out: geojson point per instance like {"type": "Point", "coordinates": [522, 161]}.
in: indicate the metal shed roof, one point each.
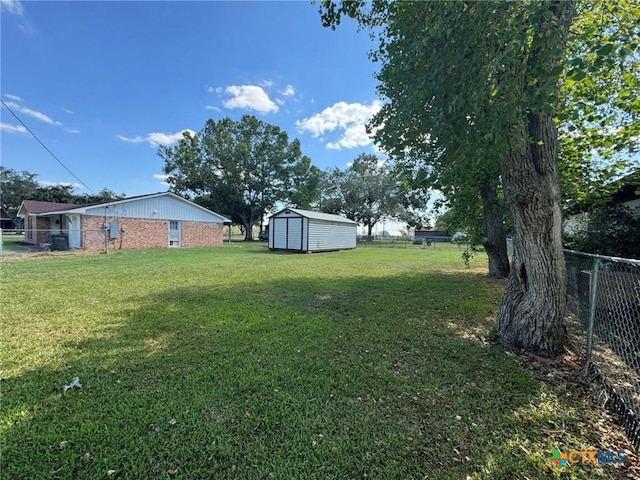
{"type": "Point", "coordinates": [327, 217]}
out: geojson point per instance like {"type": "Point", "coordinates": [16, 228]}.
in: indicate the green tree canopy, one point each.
{"type": "Point", "coordinates": [240, 169]}
{"type": "Point", "coordinates": [598, 118]}
{"type": "Point", "coordinates": [365, 191]}
{"type": "Point", "coordinates": [15, 187]}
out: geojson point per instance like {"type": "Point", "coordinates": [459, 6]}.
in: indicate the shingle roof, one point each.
{"type": "Point", "coordinates": [36, 206]}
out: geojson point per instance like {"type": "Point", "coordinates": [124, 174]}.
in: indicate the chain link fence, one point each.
{"type": "Point", "coordinates": [387, 241]}
{"type": "Point", "coordinates": [604, 302]}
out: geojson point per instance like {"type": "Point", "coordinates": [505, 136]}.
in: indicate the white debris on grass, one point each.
{"type": "Point", "coordinates": [74, 383]}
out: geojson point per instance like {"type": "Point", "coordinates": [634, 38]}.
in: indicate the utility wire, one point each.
{"type": "Point", "coordinates": [46, 148]}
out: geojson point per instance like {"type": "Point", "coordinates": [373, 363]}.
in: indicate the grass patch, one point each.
{"type": "Point", "coordinates": [235, 362]}
{"type": "Point", "coordinates": [12, 243]}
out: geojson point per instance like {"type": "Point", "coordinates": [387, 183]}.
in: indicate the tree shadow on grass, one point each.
{"type": "Point", "coordinates": [296, 378]}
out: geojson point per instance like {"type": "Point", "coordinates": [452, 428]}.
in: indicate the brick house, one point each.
{"type": "Point", "coordinates": [147, 221]}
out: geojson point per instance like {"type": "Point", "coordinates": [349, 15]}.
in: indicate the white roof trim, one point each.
{"type": "Point", "coordinates": [83, 208]}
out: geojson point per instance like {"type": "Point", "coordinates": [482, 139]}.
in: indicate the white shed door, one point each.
{"type": "Point", "coordinates": [279, 232]}
{"type": "Point", "coordinates": [294, 234]}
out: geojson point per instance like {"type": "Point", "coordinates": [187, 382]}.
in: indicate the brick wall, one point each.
{"type": "Point", "coordinates": [200, 234]}
{"type": "Point", "coordinates": [37, 230]}
{"type": "Point", "coordinates": [144, 233]}
{"type": "Point", "coordinates": [138, 233]}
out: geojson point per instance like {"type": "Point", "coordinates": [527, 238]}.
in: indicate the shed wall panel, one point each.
{"type": "Point", "coordinates": [331, 236]}
{"type": "Point", "coordinates": [305, 234]}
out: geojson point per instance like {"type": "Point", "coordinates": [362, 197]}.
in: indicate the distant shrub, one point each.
{"type": "Point", "coordinates": [611, 230]}
{"type": "Point", "coordinates": [417, 241]}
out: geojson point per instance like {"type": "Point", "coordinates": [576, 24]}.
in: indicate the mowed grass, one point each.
{"type": "Point", "coordinates": [234, 362]}
{"type": "Point", "coordinates": [12, 243]}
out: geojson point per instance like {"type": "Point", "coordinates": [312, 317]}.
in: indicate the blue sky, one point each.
{"type": "Point", "coordinates": [103, 84]}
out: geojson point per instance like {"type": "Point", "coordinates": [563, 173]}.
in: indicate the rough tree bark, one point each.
{"type": "Point", "coordinates": [531, 313]}
{"type": "Point", "coordinates": [532, 309]}
{"type": "Point", "coordinates": [495, 243]}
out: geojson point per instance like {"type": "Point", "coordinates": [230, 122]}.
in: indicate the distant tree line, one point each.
{"type": "Point", "coordinates": [246, 169]}
{"type": "Point", "coordinates": [368, 191]}
{"type": "Point", "coordinates": [17, 186]}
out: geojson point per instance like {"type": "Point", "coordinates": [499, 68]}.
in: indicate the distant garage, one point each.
{"type": "Point", "coordinates": [297, 230]}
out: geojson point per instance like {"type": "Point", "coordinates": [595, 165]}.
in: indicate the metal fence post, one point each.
{"type": "Point", "coordinates": [593, 286]}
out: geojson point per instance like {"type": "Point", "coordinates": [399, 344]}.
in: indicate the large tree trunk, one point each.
{"type": "Point", "coordinates": [248, 229]}
{"type": "Point", "coordinates": [531, 313]}
{"type": "Point", "coordinates": [532, 309]}
{"type": "Point", "coordinates": [495, 243]}
{"type": "Point", "coordinates": [248, 233]}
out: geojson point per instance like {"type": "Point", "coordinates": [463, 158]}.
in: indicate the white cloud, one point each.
{"type": "Point", "coordinates": [162, 177]}
{"type": "Point", "coordinates": [66, 110]}
{"type": "Point", "coordinates": [166, 139]}
{"type": "Point", "coordinates": [288, 92]}
{"type": "Point", "coordinates": [136, 139]}
{"type": "Point", "coordinates": [15, 98]}
{"type": "Point", "coordinates": [33, 113]}
{"type": "Point", "coordinates": [9, 128]}
{"type": "Point", "coordinates": [251, 97]}
{"type": "Point", "coordinates": [157, 138]}
{"type": "Point", "coordinates": [354, 136]}
{"type": "Point", "coordinates": [39, 116]}
{"type": "Point", "coordinates": [266, 83]}
{"type": "Point", "coordinates": [349, 118]}
{"type": "Point", "coordinates": [12, 6]}
{"type": "Point", "coordinates": [211, 107]}
{"type": "Point", "coordinates": [73, 130]}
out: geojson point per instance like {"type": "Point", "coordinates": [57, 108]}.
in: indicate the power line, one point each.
{"type": "Point", "coordinates": [47, 148]}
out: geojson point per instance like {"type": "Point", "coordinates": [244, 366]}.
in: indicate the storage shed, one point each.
{"type": "Point", "coordinates": [297, 230]}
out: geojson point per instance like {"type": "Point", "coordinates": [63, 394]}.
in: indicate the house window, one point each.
{"type": "Point", "coordinates": [174, 233]}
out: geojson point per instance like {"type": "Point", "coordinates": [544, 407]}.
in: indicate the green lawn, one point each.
{"type": "Point", "coordinates": [234, 362]}
{"type": "Point", "coordinates": [12, 243]}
